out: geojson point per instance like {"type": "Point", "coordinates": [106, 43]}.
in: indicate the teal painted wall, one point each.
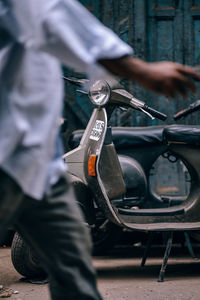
{"type": "Point", "coordinates": [157, 30]}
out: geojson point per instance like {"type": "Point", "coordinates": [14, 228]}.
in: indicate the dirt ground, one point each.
{"type": "Point", "coordinates": [120, 277]}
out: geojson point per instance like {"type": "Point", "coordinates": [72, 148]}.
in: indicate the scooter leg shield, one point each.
{"type": "Point", "coordinates": [84, 198]}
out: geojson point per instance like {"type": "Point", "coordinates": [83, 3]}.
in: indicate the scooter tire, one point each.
{"type": "Point", "coordinates": [25, 260]}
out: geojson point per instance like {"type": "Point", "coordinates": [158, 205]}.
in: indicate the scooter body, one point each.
{"type": "Point", "coordinates": [138, 148]}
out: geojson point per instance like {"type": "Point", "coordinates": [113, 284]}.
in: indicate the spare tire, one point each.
{"type": "Point", "coordinates": [25, 260]}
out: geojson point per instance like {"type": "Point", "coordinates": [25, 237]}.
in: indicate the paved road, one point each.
{"type": "Point", "coordinates": [120, 277]}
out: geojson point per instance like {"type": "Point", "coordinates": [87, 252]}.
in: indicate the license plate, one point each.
{"type": "Point", "coordinates": [97, 130]}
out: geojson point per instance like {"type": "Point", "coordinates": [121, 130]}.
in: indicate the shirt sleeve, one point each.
{"type": "Point", "coordinates": [68, 31]}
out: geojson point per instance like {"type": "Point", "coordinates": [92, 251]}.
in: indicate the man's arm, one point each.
{"type": "Point", "coordinates": [92, 44]}
{"type": "Point", "coordinates": [162, 77]}
{"type": "Point", "coordinates": [66, 30]}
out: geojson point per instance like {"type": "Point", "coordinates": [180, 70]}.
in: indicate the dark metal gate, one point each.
{"type": "Point", "coordinates": [157, 30]}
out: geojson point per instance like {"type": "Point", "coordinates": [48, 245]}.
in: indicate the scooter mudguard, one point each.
{"type": "Point", "coordinates": [105, 159]}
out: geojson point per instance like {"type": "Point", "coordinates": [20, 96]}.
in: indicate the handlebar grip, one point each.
{"type": "Point", "coordinates": [192, 108]}
{"type": "Point", "coordinates": [182, 113]}
{"type": "Point", "coordinates": [155, 113]}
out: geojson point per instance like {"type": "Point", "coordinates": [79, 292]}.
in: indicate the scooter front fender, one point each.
{"type": "Point", "coordinates": [93, 139]}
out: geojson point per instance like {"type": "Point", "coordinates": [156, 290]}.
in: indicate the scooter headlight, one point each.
{"type": "Point", "coordinates": [99, 93]}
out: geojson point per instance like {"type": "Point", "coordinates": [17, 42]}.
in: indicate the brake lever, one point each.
{"type": "Point", "coordinates": [82, 92]}
{"type": "Point", "coordinates": [147, 113]}
{"type": "Point", "coordinates": [123, 108]}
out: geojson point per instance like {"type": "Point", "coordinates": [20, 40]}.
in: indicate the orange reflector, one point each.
{"type": "Point", "coordinates": [91, 165]}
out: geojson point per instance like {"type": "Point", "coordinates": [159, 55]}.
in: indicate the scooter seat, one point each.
{"type": "Point", "coordinates": [124, 137]}
{"type": "Point", "coordinates": [183, 134]}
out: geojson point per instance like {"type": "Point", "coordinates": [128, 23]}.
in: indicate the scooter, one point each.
{"type": "Point", "coordinates": [137, 149]}
{"type": "Point", "coordinates": [96, 163]}
{"type": "Point", "coordinates": [130, 143]}
{"type": "Point", "coordinates": [105, 233]}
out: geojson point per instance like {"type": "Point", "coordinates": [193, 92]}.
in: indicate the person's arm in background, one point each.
{"type": "Point", "coordinates": [162, 77]}
{"type": "Point", "coordinates": [66, 30]}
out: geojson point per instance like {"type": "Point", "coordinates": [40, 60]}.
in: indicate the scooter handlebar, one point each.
{"type": "Point", "coordinates": [155, 113]}
{"type": "Point", "coordinates": [185, 112]}
{"type": "Point", "coordinates": [75, 81]}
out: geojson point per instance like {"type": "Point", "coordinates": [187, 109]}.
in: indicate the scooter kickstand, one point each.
{"type": "Point", "coordinates": [166, 256]}
{"type": "Point", "coordinates": [147, 248]}
{"type": "Point", "coordinates": [189, 245]}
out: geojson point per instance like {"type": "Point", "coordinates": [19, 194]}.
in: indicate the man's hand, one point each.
{"type": "Point", "coordinates": [167, 78]}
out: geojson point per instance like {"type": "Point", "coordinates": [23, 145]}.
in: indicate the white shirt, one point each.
{"type": "Point", "coordinates": [35, 37]}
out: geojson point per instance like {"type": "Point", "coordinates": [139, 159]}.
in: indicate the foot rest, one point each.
{"type": "Point", "coordinates": [151, 212]}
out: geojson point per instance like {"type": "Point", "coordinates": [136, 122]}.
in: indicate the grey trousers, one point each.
{"type": "Point", "coordinates": [11, 200]}
{"type": "Point", "coordinates": [54, 227]}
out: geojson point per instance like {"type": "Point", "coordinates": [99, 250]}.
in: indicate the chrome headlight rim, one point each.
{"type": "Point", "coordinates": [99, 92]}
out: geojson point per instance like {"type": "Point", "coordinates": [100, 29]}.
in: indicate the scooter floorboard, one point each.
{"type": "Point", "coordinates": [164, 226]}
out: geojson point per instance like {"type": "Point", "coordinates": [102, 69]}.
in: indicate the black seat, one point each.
{"type": "Point", "coordinates": [124, 137]}
{"type": "Point", "coordinates": [187, 134]}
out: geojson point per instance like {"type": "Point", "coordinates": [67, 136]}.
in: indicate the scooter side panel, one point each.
{"type": "Point", "coordinates": [111, 173]}
{"type": "Point", "coordinates": [181, 217]}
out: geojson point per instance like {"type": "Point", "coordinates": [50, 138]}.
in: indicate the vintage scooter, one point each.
{"type": "Point", "coordinates": [95, 163]}
{"type": "Point", "coordinates": [138, 149]}
{"type": "Point", "coordinates": [105, 233]}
